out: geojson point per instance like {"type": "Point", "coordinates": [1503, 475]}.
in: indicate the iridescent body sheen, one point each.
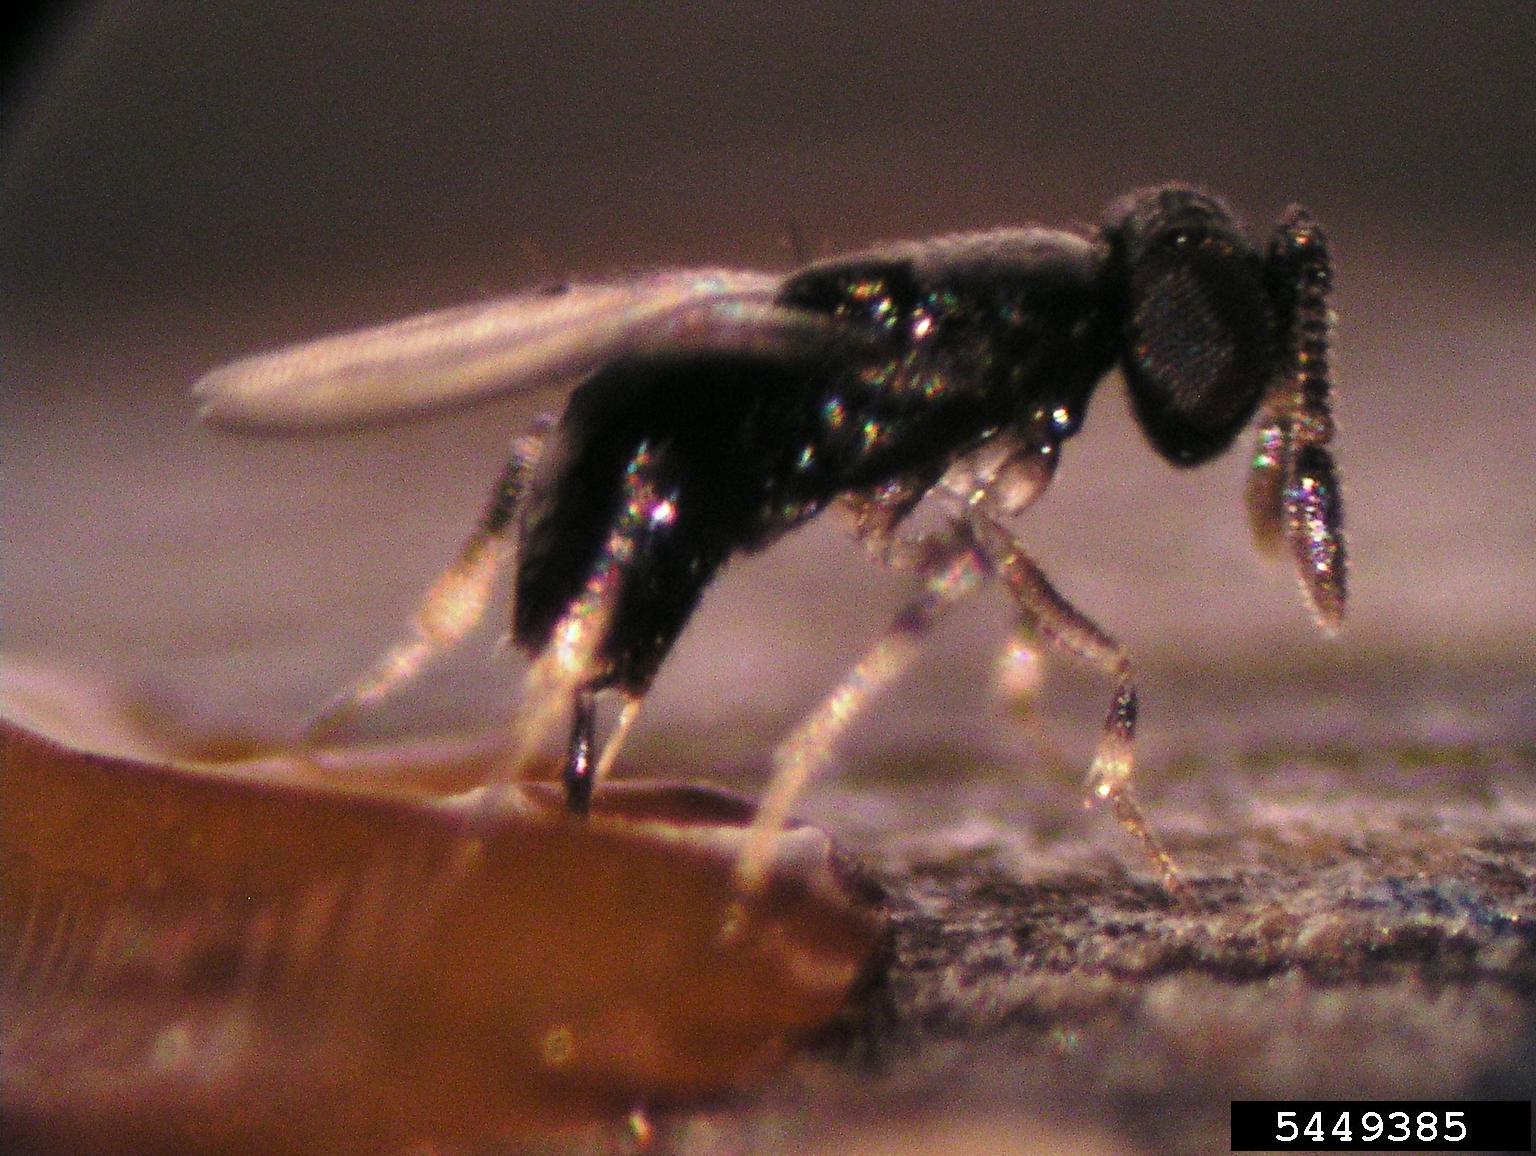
{"type": "Point", "coordinates": [714, 411]}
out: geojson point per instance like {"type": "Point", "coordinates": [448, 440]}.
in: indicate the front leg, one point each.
{"type": "Point", "coordinates": [1067, 630]}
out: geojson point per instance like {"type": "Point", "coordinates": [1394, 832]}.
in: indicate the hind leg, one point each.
{"type": "Point", "coordinates": [569, 669]}
{"type": "Point", "coordinates": [451, 607]}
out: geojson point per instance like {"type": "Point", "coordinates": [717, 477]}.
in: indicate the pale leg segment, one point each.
{"type": "Point", "coordinates": [452, 606]}
{"type": "Point", "coordinates": [952, 568]}
{"type": "Point", "coordinates": [1065, 629]}
{"type": "Point", "coordinates": [627, 715]}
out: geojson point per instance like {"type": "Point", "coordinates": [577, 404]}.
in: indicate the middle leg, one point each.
{"type": "Point", "coordinates": [952, 566]}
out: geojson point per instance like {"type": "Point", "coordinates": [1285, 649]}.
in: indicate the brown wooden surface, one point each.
{"type": "Point", "coordinates": [269, 956]}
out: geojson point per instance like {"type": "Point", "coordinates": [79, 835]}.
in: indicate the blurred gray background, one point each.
{"type": "Point", "coordinates": [184, 183]}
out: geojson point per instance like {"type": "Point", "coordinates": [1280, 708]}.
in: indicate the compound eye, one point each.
{"type": "Point", "coordinates": [1199, 340]}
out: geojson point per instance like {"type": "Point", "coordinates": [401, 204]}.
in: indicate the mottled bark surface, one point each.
{"type": "Point", "coordinates": [1358, 925]}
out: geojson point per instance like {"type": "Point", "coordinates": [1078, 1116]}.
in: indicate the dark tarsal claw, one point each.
{"type": "Point", "coordinates": [579, 766]}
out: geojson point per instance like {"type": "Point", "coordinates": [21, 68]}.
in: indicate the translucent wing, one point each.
{"type": "Point", "coordinates": [536, 340]}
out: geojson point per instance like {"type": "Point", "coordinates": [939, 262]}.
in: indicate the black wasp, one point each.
{"type": "Point", "coordinates": [713, 411]}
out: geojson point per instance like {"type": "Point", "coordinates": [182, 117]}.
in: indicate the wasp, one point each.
{"type": "Point", "coordinates": [709, 412]}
